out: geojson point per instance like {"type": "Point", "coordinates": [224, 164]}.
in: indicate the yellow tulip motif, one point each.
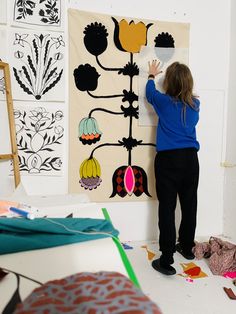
{"type": "Point", "coordinates": [90, 172]}
{"type": "Point", "coordinates": [130, 36]}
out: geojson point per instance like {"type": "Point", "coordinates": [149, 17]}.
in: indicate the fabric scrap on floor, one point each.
{"type": "Point", "coordinates": [221, 254]}
{"type": "Point", "coordinates": [191, 270]}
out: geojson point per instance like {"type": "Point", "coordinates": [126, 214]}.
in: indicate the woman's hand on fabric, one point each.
{"type": "Point", "coordinates": [154, 68]}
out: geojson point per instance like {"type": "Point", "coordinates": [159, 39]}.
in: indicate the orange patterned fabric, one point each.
{"type": "Point", "coordinates": [88, 293]}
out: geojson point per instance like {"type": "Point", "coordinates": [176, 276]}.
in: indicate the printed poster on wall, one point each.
{"type": "Point", "coordinates": [111, 157]}
{"type": "Point", "coordinates": [3, 56]}
{"type": "Point", "coordinates": [3, 11]}
{"type": "Point", "coordinates": [40, 138]}
{"type": "Point", "coordinates": [37, 62]}
{"type": "Point", "coordinates": [47, 14]}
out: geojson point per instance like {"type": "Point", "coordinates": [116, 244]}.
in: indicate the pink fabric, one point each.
{"type": "Point", "coordinates": [221, 254]}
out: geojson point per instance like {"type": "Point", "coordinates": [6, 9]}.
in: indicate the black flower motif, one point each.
{"type": "Point", "coordinates": [86, 77]}
{"type": "Point", "coordinates": [130, 111]}
{"type": "Point", "coordinates": [130, 69]}
{"type": "Point", "coordinates": [129, 180]}
{"type": "Point", "coordinates": [129, 96]}
{"type": "Point", "coordinates": [95, 38]}
{"type": "Point", "coordinates": [164, 40]}
{"type": "Point", "coordinates": [129, 143]}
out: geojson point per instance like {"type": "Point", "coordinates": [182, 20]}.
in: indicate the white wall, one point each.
{"type": "Point", "coordinates": [230, 172]}
{"type": "Point", "coordinates": [209, 61]}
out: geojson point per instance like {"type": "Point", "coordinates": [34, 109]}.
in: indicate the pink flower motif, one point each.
{"type": "Point", "coordinates": [129, 180]}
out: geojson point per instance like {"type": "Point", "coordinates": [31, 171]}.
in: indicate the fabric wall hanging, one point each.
{"type": "Point", "coordinates": [110, 155]}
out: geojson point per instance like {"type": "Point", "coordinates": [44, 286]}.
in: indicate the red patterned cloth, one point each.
{"type": "Point", "coordinates": [88, 293]}
{"type": "Point", "coordinates": [221, 254]}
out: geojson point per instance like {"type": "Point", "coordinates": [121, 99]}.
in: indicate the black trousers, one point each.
{"type": "Point", "coordinates": [177, 174]}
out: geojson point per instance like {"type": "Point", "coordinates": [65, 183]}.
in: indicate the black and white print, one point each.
{"type": "Point", "coordinates": [47, 13]}
{"type": "Point", "coordinates": [3, 11]}
{"type": "Point", "coordinates": [37, 60]}
{"type": "Point", "coordinates": [3, 58]}
{"type": "Point", "coordinates": [40, 139]}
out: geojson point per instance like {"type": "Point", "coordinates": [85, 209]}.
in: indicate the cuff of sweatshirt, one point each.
{"type": "Point", "coordinates": [151, 77]}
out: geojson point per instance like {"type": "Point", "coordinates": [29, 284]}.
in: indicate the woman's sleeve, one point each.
{"type": "Point", "coordinates": [154, 97]}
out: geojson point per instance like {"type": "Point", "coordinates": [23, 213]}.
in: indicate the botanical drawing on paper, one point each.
{"type": "Point", "coordinates": [40, 12]}
{"type": "Point", "coordinates": [40, 135]}
{"type": "Point", "coordinates": [2, 83]}
{"type": "Point", "coordinates": [38, 63]}
{"type": "Point", "coordinates": [3, 59]}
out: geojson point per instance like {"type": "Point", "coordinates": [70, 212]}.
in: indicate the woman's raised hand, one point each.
{"type": "Point", "coordinates": [154, 68]}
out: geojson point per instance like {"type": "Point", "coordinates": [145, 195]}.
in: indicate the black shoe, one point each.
{"type": "Point", "coordinates": [164, 269]}
{"type": "Point", "coordinates": [186, 254]}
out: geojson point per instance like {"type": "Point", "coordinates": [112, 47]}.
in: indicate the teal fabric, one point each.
{"type": "Point", "coordinates": [19, 234]}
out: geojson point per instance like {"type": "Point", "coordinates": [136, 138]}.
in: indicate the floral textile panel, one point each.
{"type": "Point", "coordinates": [109, 47]}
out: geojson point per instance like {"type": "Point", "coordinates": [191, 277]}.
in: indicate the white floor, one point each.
{"type": "Point", "coordinates": [174, 294]}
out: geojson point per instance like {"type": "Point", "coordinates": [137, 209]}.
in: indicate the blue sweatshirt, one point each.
{"type": "Point", "coordinates": [173, 130]}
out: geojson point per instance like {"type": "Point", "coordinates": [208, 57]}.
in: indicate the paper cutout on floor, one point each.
{"type": "Point", "coordinates": [40, 139]}
{"type": "Point", "coordinates": [37, 60]}
{"type": "Point", "coordinates": [126, 246]}
{"type": "Point", "coordinates": [230, 293]}
{"type": "Point", "coordinates": [150, 254]}
{"type": "Point", "coordinates": [191, 270]}
{"type": "Point", "coordinates": [230, 274]}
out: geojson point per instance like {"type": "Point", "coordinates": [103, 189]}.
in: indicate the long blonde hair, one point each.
{"type": "Point", "coordinates": [178, 83]}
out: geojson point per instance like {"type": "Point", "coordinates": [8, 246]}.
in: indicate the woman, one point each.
{"type": "Point", "coordinates": [176, 162]}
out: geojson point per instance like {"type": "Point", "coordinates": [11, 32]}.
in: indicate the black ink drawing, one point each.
{"type": "Point", "coordinates": [39, 63]}
{"type": "Point", "coordinates": [39, 138]}
{"type": "Point", "coordinates": [2, 84]}
{"type": "Point", "coordinates": [40, 12]}
{"type": "Point", "coordinates": [3, 12]}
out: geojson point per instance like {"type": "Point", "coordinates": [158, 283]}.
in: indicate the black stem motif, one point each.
{"type": "Point", "coordinates": [107, 69]}
{"type": "Point", "coordinates": [148, 144]}
{"type": "Point", "coordinates": [104, 110]}
{"type": "Point", "coordinates": [105, 144]}
{"type": "Point", "coordinates": [107, 96]}
{"type": "Point", "coordinates": [131, 118]}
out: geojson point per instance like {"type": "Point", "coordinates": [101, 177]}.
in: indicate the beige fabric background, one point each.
{"type": "Point", "coordinates": [113, 127]}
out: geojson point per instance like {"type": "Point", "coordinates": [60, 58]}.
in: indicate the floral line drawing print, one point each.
{"type": "Point", "coordinates": [38, 134]}
{"type": "Point", "coordinates": [39, 59]}
{"type": "Point", "coordinates": [127, 179]}
{"type": "Point", "coordinates": [48, 11]}
{"type": "Point", "coordinates": [2, 85]}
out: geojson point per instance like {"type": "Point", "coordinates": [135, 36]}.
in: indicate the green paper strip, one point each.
{"type": "Point", "coordinates": [123, 255]}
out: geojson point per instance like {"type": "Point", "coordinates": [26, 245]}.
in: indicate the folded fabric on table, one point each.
{"type": "Point", "coordinates": [19, 234]}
